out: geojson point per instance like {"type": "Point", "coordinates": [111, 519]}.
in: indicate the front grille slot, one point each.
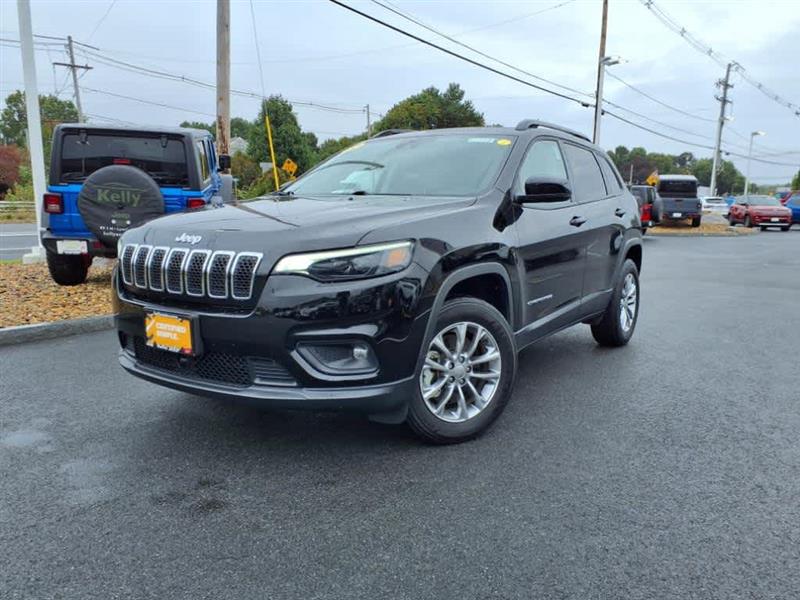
{"type": "Point", "coordinates": [199, 273]}
{"type": "Point", "coordinates": [155, 268]}
{"type": "Point", "coordinates": [218, 269]}
{"type": "Point", "coordinates": [242, 275]}
{"type": "Point", "coordinates": [195, 272]}
{"type": "Point", "coordinates": [140, 266]}
{"type": "Point", "coordinates": [174, 270]}
{"type": "Point", "coordinates": [126, 263]}
{"type": "Point", "coordinates": [219, 367]}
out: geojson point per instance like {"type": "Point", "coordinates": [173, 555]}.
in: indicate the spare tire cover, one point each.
{"type": "Point", "coordinates": [117, 197]}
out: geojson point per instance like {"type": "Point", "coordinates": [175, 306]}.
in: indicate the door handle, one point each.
{"type": "Point", "coordinates": [577, 221]}
{"type": "Point", "coordinates": [619, 212]}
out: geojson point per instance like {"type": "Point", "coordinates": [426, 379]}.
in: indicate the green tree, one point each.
{"type": "Point", "coordinates": [241, 128]}
{"type": "Point", "coordinates": [287, 137]}
{"type": "Point", "coordinates": [796, 182]}
{"type": "Point", "coordinates": [334, 145]}
{"type": "Point", "coordinates": [245, 169]}
{"type": "Point", "coordinates": [210, 127]}
{"type": "Point", "coordinates": [432, 109]}
{"type": "Point", "coordinates": [13, 120]}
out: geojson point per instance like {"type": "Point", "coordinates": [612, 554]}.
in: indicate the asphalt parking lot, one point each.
{"type": "Point", "coordinates": [666, 469]}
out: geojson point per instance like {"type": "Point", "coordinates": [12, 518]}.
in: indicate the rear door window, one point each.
{"type": "Point", "coordinates": [587, 180]}
{"type": "Point", "coordinates": [161, 157]}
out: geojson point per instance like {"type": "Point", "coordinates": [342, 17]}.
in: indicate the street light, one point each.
{"type": "Point", "coordinates": [749, 154]}
{"type": "Point", "coordinates": [606, 61]}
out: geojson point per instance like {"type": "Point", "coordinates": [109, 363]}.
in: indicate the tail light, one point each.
{"type": "Point", "coordinates": [122, 161]}
{"type": "Point", "coordinates": [53, 204]}
{"type": "Point", "coordinates": [196, 203]}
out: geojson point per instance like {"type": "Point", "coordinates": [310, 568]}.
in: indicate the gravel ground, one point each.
{"type": "Point", "coordinates": [28, 295]}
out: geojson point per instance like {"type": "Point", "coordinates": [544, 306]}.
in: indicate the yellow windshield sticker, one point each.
{"type": "Point", "coordinates": [503, 142]}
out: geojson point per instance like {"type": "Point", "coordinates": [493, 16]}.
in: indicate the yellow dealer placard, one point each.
{"type": "Point", "coordinates": [169, 333]}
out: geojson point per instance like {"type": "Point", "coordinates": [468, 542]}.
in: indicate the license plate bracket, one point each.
{"type": "Point", "coordinates": [72, 247]}
{"type": "Point", "coordinates": [774, 219]}
{"type": "Point", "coordinates": [173, 333]}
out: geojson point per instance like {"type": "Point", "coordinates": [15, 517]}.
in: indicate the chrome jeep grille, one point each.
{"type": "Point", "coordinates": [199, 273]}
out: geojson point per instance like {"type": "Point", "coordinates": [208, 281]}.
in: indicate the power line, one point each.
{"type": "Point", "coordinates": [150, 102]}
{"type": "Point", "coordinates": [717, 57]}
{"type": "Point", "coordinates": [457, 55]}
{"type": "Point", "coordinates": [688, 143]}
{"type": "Point", "coordinates": [258, 50]}
{"type": "Point", "coordinates": [103, 18]}
{"type": "Point", "coordinates": [409, 17]}
{"type": "Point", "coordinates": [130, 67]}
{"type": "Point", "coordinates": [657, 101]}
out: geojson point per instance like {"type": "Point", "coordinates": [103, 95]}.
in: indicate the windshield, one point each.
{"type": "Point", "coordinates": [161, 157]}
{"type": "Point", "coordinates": [763, 201]}
{"type": "Point", "coordinates": [681, 188]}
{"type": "Point", "coordinates": [424, 165]}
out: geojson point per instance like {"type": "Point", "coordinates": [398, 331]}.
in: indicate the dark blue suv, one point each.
{"type": "Point", "coordinates": [104, 181]}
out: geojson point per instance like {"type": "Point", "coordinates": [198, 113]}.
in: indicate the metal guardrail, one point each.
{"type": "Point", "coordinates": [9, 206]}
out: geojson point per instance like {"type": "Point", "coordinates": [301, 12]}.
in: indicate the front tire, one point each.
{"type": "Point", "coordinates": [68, 269]}
{"type": "Point", "coordinates": [615, 327]}
{"type": "Point", "coordinates": [465, 374]}
{"type": "Point", "coordinates": [747, 222]}
{"type": "Point", "coordinates": [731, 220]}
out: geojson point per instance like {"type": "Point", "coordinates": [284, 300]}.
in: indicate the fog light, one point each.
{"type": "Point", "coordinates": [340, 357]}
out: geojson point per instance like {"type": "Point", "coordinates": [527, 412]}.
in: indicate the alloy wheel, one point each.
{"type": "Point", "coordinates": [461, 373]}
{"type": "Point", "coordinates": [627, 302]}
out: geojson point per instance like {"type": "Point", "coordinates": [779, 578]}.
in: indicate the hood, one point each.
{"type": "Point", "coordinates": [278, 226]}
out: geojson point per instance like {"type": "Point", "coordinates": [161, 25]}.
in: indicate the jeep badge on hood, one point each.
{"type": "Point", "coordinates": [188, 239]}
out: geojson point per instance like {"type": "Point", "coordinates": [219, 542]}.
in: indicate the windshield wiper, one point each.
{"type": "Point", "coordinates": [282, 193]}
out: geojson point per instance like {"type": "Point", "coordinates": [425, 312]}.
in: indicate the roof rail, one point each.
{"type": "Point", "coordinates": [387, 132]}
{"type": "Point", "coordinates": [533, 124]}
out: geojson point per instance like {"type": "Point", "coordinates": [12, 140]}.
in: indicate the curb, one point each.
{"type": "Point", "coordinates": [45, 331]}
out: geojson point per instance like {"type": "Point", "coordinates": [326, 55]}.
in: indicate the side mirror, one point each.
{"type": "Point", "coordinates": [545, 189]}
{"type": "Point", "coordinates": [224, 162]}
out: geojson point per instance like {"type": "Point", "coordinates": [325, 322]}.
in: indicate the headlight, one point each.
{"type": "Point", "coordinates": [349, 263]}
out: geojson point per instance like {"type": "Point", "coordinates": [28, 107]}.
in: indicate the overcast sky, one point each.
{"type": "Point", "coordinates": [316, 51]}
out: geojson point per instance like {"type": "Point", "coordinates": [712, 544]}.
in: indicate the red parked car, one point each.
{"type": "Point", "coordinates": [760, 211]}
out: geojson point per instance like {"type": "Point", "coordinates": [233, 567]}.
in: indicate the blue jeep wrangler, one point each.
{"type": "Point", "coordinates": [104, 181]}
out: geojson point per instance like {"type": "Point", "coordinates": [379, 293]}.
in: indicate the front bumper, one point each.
{"type": "Point", "coordinates": [372, 399]}
{"type": "Point", "coordinates": [256, 356]}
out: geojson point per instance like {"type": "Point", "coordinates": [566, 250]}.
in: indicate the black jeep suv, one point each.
{"type": "Point", "coordinates": [401, 277]}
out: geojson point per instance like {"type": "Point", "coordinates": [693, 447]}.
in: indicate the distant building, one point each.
{"type": "Point", "coordinates": [238, 144]}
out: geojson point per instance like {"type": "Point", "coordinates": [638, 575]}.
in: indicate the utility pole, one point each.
{"type": "Point", "coordinates": [601, 71]}
{"type": "Point", "coordinates": [34, 123]}
{"type": "Point", "coordinates": [74, 68]}
{"type": "Point", "coordinates": [369, 123]}
{"type": "Point", "coordinates": [723, 102]}
{"type": "Point", "coordinates": [223, 76]}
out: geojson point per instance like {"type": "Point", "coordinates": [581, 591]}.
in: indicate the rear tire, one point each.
{"type": "Point", "coordinates": [617, 324]}
{"type": "Point", "coordinates": [68, 269]}
{"type": "Point", "coordinates": [731, 220]}
{"type": "Point", "coordinates": [442, 409]}
{"type": "Point", "coordinates": [747, 222]}
{"type": "Point", "coordinates": [786, 228]}
{"type": "Point", "coordinates": [696, 221]}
